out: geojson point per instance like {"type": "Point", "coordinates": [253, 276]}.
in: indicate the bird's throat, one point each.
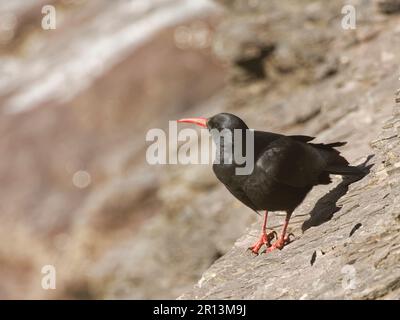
{"type": "Point", "coordinates": [234, 149]}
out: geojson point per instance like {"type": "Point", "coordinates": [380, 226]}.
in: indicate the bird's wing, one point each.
{"type": "Point", "coordinates": [262, 138]}
{"type": "Point", "coordinates": [302, 138]}
{"type": "Point", "coordinates": [291, 162]}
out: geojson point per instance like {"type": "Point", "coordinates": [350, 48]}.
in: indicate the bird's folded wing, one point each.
{"type": "Point", "coordinates": [302, 138]}
{"type": "Point", "coordinates": [291, 162]}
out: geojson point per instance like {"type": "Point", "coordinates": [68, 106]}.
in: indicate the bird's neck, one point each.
{"type": "Point", "coordinates": [232, 146]}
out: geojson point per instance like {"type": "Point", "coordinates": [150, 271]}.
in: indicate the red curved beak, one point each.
{"type": "Point", "coordinates": [202, 122]}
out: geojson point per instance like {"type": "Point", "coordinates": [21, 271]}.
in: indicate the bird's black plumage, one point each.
{"type": "Point", "coordinates": [285, 167]}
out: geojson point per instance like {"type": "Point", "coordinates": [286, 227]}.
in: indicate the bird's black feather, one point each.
{"type": "Point", "coordinates": [286, 168]}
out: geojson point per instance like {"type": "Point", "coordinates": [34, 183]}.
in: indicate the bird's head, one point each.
{"type": "Point", "coordinates": [219, 122]}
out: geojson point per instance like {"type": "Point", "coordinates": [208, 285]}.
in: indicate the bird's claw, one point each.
{"type": "Point", "coordinates": [280, 243]}
{"type": "Point", "coordinates": [265, 239]}
{"type": "Point", "coordinates": [287, 238]}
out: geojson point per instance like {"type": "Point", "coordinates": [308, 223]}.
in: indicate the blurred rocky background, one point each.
{"type": "Point", "coordinates": [76, 104]}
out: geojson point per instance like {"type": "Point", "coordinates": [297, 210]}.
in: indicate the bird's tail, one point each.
{"type": "Point", "coordinates": [337, 164]}
{"type": "Point", "coordinates": [344, 170]}
{"type": "Point", "coordinates": [328, 146]}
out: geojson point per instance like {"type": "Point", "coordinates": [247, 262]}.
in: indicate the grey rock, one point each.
{"type": "Point", "coordinates": [347, 242]}
{"type": "Point", "coordinates": [389, 6]}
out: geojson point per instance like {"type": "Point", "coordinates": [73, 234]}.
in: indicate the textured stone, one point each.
{"type": "Point", "coordinates": [347, 243]}
{"type": "Point", "coordinates": [140, 231]}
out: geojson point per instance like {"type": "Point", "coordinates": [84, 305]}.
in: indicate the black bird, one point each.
{"type": "Point", "coordinates": [285, 169]}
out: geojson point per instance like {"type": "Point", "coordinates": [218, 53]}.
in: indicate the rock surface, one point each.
{"type": "Point", "coordinates": [141, 231]}
{"type": "Point", "coordinates": [353, 255]}
{"type": "Point", "coordinates": [347, 241]}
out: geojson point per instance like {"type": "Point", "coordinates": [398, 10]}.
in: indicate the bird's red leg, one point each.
{"type": "Point", "coordinates": [283, 239]}
{"type": "Point", "coordinates": [265, 237]}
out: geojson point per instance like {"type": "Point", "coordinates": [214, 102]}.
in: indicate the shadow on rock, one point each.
{"type": "Point", "coordinates": [326, 207]}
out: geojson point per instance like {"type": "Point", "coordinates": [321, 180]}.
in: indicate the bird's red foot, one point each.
{"type": "Point", "coordinates": [279, 244]}
{"type": "Point", "coordinates": [264, 239]}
